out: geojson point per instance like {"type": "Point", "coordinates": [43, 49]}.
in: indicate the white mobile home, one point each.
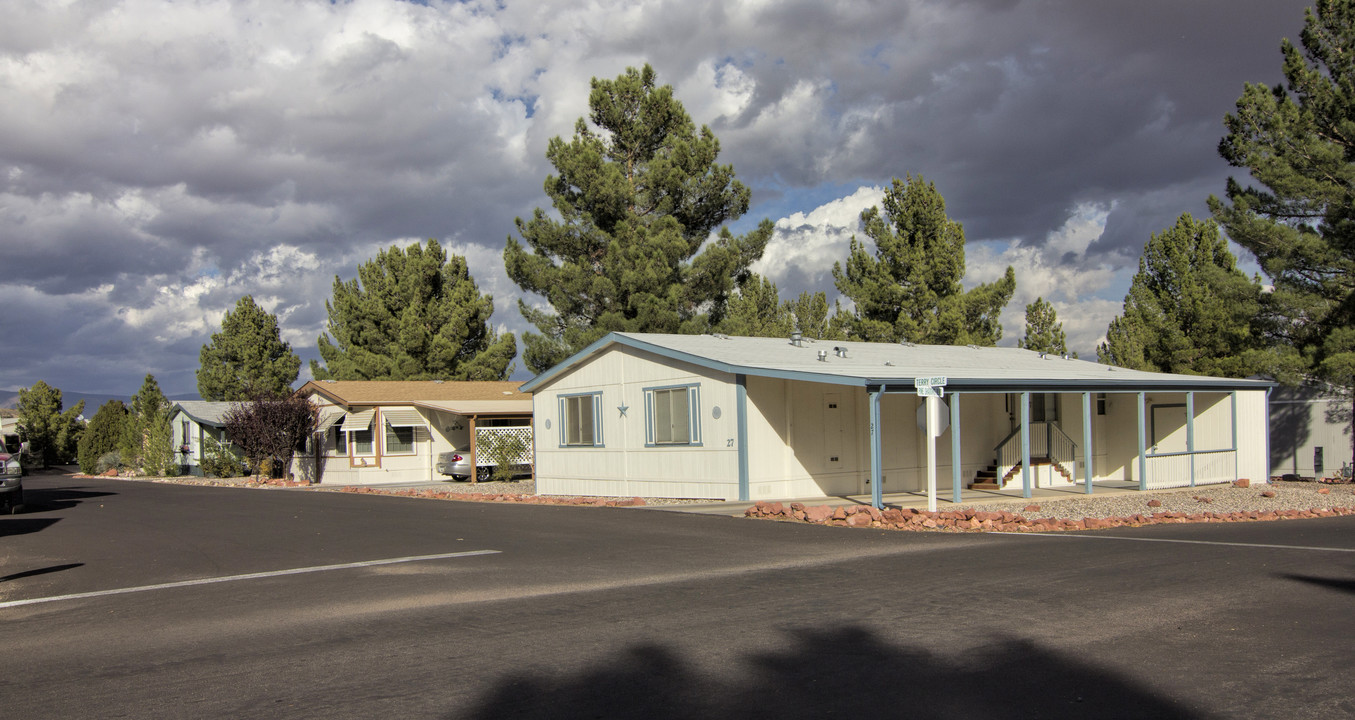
{"type": "Point", "coordinates": [738, 418]}
{"type": "Point", "coordinates": [387, 431]}
{"type": "Point", "coordinates": [1310, 431]}
{"type": "Point", "coordinates": [194, 423]}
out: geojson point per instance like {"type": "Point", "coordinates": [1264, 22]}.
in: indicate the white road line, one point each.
{"type": "Point", "coordinates": [1183, 542]}
{"type": "Point", "coordinates": [248, 576]}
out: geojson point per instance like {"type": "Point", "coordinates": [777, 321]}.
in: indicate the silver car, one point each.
{"type": "Point", "coordinates": [457, 464]}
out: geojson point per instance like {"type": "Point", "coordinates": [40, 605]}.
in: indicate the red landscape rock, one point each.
{"type": "Point", "coordinates": [1242, 483]}
{"type": "Point", "coordinates": [1154, 503]}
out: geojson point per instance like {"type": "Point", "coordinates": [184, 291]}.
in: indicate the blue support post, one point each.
{"type": "Point", "coordinates": [1190, 433]}
{"type": "Point", "coordinates": [1087, 442]}
{"type": "Point", "coordinates": [741, 406]}
{"type": "Point", "coordinates": [876, 477]}
{"type": "Point", "coordinates": [1143, 448]}
{"type": "Point", "coordinates": [955, 468]}
{"type": "Point", "coordinates": [1025, 445]}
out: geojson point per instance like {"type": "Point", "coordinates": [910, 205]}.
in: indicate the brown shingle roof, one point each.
{"type": "Point", "coordinates": [378, 392]}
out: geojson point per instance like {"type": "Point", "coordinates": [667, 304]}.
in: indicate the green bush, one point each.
{"type": "Point", "coordinates": [111, 460]}
{"type": "Point", "coordinates": [219, 461]}
{"type": "Point", "coordinates": [505, 451]}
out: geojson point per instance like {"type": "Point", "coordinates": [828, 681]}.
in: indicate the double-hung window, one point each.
{"type": "Point", "coordinates": [673, 415]}
{"type": "Point", "coordinates": [579, 420]}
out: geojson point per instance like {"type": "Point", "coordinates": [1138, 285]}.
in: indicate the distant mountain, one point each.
{"type": "Point", "coordinates": [10, 399]}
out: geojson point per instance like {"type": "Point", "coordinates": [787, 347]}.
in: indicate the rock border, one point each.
{"type": "Point", "coordinates": [967, 520]}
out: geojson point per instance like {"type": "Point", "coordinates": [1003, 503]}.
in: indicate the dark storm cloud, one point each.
{"type": "Point", "coordinates": [158, 161]}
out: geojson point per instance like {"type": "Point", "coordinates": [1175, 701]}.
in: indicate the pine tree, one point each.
{"type": "Point", "coordinates": [247, 357]}
{"type": "Point", "coordinates": [638, 195]}
{"type": "Point", "coordinates": [1044, 332]}
{"type": "Point", "coordinates": [756, 310]}
{"type": "Point", "coordinates": [52, 434]}
{"type": "Point", "coordinates": [102, 435]}
{"type": "Point", "coordinates": [1298, 143]}
{"type": "Point", "coordinates": [412, 314]}
{"type": "Point", "coordinates": [1189, 309]}
{"type": "Point", "coordinates": [909, 288]}
{"type": "Point", "coordinates": [810, 311]}
{"type": "Point", "coordinates": [148, 442]}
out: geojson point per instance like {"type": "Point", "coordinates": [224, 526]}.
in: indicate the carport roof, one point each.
{"type": "Point", "coordinates": [895, 366]}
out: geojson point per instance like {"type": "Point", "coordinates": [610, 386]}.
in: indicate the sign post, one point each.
{"type": "Point", "coordinates": [931, 389]}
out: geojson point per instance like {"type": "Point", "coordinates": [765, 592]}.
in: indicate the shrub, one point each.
{"type": "Point", "coordinates": [111, 460]}
{"type": "Point", "coordinates": [505, 451]}
{"type": "Point", "coordinates": [219, 461]}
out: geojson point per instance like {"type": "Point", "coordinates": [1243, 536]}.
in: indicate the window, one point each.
{"type": "Point", "coordinates": [672, 416]}
{"type": "Point", "coordinates": [579, 420]}
{"type": "Point", "coordinates": [361, 440]}
{"type": "Point", "coordinates": [399, 440]}
{"type": "Point", "coordinates": [340, 441]}
{"type": "Point", "coordinates": [1100, 403]}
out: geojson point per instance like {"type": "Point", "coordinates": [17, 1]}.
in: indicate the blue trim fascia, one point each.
{"type": "Point", "coordinates": [741, 411]}
{"type": "Point", "coordinates": [898, 384]}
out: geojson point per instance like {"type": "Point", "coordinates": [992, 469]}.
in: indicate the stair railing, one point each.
{"type": "Point", "coordinates": [1047, 440]}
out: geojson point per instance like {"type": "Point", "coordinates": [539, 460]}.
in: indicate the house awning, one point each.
{"type": "Point", "coordinates": [328, 416]}
{"type": "Point", "coordinates": [359, 421]}
{"type": "Point", "coordinates": [403, 417]}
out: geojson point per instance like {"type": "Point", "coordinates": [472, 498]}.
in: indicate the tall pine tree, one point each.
{"type": "Point", "coordinates": [248, 357]}
{"type": "Point", "coordinates": [412, 314]}
{"type": "Point", "coordinates": [148, 443]}
{"type": "Point", "coordinates": [756, 310]}
{"type": "Point", "coordinates": [909, 287]}
{"type": "Point", "coordinates": [102, 435]}
{"type": "Point", "coordinates": [1044, 332]}
{"type": "Point", "coordinates": [1298, 142]}
{"type": "Point", "coordinates": [52, 434]}
{"type": "Point", "coordinates": [638, 195]}
{"type": "Point", "coordinates": [1189, 309]}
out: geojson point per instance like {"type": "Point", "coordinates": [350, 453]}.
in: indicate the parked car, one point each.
{"type": "Point", "coordinates": [457, 465]}
{"type": "Point", "coordinates": [11, 483]}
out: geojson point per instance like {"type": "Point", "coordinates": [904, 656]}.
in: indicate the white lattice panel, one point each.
{"type": "Point", "coordinates": [486, 438]}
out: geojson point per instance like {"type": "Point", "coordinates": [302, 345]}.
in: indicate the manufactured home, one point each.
{"type": "Point", "coordinates": [386, 431]}
{"type": "Point", "coordinates": [740, 418]}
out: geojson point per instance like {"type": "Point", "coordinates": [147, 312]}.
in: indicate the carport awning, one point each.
{"type": "Point", "coordinates": [328, 416]}
{"type": "Point", "coordinates": [402, 417]}
{"type": "Point", "coordinates": [358, 421]}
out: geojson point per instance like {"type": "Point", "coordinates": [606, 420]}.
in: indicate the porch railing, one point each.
{"type": "Point", "coordinates": [1047, 442]}
{"type": "Point", "coordinates": [1209, 467]}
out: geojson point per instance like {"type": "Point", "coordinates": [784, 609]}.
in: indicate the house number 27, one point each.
{"type": "Point", "coordinates": [729, 442]}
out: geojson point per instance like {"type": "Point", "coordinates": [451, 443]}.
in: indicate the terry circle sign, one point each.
{"type": "Point", "coordinates": [929, 386]}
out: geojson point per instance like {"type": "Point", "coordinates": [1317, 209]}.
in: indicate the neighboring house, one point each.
{"type": "Point", "coordinates": [388, 431]}
{"type": "Point", "coordinates": [1309, 431]}
{"type": "Point", "coordinates": [191, 422]}
{"type": "Point", "coordinates": [9, 434]}
{"type": "Point", "coordinates": [739, 418]}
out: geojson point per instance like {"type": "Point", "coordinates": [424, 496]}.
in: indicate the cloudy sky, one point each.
{"type": "Point", "coordinates": [158, 160]}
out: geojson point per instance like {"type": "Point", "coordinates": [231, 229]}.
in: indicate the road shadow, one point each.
{"type": "Point", "coordinates": [1344, 585]}
{"type": "Point", "coordinates": [841, 672]}
{"type": "Point", "coordinates": [39, 571]}
{"type": "Point", "coordinates": [41, 499]}
{"type": "Point", "coordinates": [10, 526]}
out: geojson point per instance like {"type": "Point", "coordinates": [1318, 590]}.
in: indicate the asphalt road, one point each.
{"type": "Point", "coordinates": [125, 599]}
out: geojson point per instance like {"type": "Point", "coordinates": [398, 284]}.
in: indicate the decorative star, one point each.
{"type": "Point", "coordinates": [623, 409]}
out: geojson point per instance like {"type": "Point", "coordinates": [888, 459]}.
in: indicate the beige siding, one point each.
{"type": "Point", "coordinates": [623, 465]}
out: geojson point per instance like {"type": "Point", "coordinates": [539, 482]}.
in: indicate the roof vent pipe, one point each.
{"type": "Point", "coordinates": [797, 339]}
{"type": "Point", "coordinates": [823, 356]}
{"type": "Point", "coordinates": [840, 351]}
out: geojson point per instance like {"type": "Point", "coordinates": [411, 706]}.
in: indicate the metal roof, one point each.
{"type": "Point", "coordinates": [204, 412]}
{"type": "Point", "coordinates": [895, 365]}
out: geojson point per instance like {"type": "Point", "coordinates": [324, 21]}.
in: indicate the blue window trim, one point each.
{"type": "Point", "coordinates": [597, 418]}
{"type": "Point", "coordinates": [693, 415]}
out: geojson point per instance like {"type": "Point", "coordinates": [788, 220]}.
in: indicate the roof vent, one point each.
{"type": "Point", "coordinates": [1042, 356]}
{"type": "Point", "coordinates": [889, 364]}
{"type": "Point", "coordinates": [1067, 357]}
{"type": "Point", "coordinates": [840, 351]}
{"type": "Point", "coordinates": [797, 339]}
{"type": "Point", "coordinates": [905, 343]}
{"type": "Point", "coordinates": [439, 382]}
{"type": "Point", "coordinates": [823, 356]}
{"type": "Point", "coordinates": [972, 347]}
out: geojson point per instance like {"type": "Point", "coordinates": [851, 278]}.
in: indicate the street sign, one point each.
{"type": "Point", "coordinates": [930, 386]}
